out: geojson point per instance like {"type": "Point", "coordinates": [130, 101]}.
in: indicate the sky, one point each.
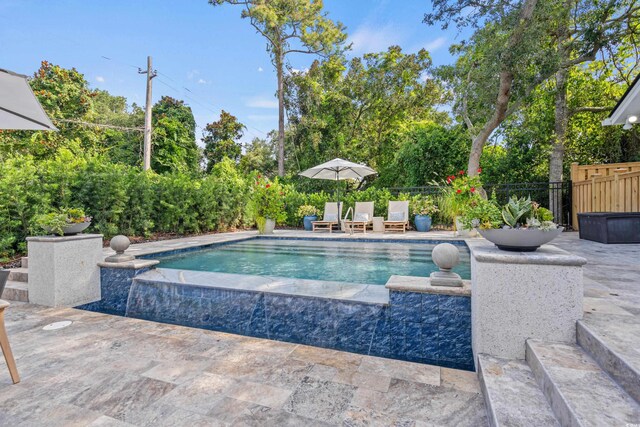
{"type": "Point", "coordinates": [207, 56]}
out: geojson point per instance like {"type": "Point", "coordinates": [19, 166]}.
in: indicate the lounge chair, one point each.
{"type": "Point", "coordinates": [397, 216]}
{"type": "Point", "coordinates": [330, 218]}
{"type": "Point", "coordinates": [362, 217]}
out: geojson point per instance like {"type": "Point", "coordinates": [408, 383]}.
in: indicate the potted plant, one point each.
{"type": "Point", "coordinates": [522, 225]}
{"type": "Point", "coordinates": [267, 200]}
{"type": "Point", "coordinates": [461, 192]}
{"type": "Point", "coordinates": [64, 222]}
{"type": "Point", "coordinates": [422, 208]}
{"type": "Point", "coordinates": [308, 213]}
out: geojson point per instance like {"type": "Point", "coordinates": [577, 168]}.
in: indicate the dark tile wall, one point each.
{"type": "Point", "coordinates": [114, 287]}
{"type": "Point", "coordinates": [418, 327]}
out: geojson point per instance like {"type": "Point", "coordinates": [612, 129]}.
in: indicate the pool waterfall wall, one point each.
{"type": "Point", "coordinates": [414, 325]}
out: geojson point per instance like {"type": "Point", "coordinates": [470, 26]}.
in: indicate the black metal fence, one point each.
{"type": "Point", "coordinates": [555, 196]}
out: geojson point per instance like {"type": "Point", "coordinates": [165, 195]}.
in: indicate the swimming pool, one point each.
{"type": "Point", "coordinates": [351, 261]}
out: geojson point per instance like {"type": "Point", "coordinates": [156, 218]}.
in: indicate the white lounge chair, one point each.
{"type": "Point", "coordinates": [362, 217]}
{"type": "Point", "coordinates": [330, 218]}
{"type": "Point", "coordinates": [397, 216]}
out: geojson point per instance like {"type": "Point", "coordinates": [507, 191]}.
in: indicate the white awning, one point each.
{"type": "Point", "coordinates": [19, 107]}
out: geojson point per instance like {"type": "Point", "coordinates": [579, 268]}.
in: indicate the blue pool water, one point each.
{"type": "Point", "coordinates": [343, 261]}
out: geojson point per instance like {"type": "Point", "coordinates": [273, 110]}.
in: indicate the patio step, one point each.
{"type": "Point", "coordinates": [15, 291]}
{"type": "Point", "coordinates": [19, 274]}
{"type": "Point", "coordinates": [24, 262]}
{"type": "Point", "coordinates": [579, 391]}
{"type": "Point", "coordinates": [612, 340]}
{"type": "Point", "coordinates": [511, 394]}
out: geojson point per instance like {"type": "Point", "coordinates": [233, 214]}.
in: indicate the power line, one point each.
{"type": "Point", "coordinates": [99, 125]}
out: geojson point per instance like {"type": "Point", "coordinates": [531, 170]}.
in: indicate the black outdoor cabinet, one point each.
{"type": "Point", "coordinates": [610, 227]}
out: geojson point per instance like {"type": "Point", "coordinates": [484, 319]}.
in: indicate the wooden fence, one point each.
{"type": "Point", "coordinates": [605, 188]}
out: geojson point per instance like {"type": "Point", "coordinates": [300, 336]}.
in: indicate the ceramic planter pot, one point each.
{"type": "Point", "coordinates": [307, 220]}
{"type": "Point", "coordinates": [520, 239]}
{"type": "Point", "coordinates": [422, 222]}
{"type": "Point", "coordinates": [72, 229]}
{"type": "Point", "coordinates": [463, 232]}
{"type": "Point", "coordinates": [265, 225]}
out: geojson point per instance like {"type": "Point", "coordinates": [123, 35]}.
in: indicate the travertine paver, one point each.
{"type": "Point", "coordinates": [112, 371]}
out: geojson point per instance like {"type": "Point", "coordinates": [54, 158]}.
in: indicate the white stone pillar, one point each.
{"type": "Point", "coordinates": [63, 270]}
{"type": "Point", "coordinates": [522, 295]}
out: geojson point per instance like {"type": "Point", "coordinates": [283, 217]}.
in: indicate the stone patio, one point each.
{"type": "Point", "coordinates": [112, 371]}
{"type": "Point", "coordinates": [108, 371]}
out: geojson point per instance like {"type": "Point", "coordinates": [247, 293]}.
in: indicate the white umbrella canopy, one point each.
{"type": "Point", "coordinates": [338, 169]}
{"type": "Point", "coordinates": [19, 107]}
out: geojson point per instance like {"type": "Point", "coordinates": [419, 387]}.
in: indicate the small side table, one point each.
{"type": "Point", "coordinates": [4, 344]}
{"type": "Point", "coordinates": [378, 224]}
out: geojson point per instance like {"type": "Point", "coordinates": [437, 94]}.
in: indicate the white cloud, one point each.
{"type": "Point", "coordinates": [100, 79]}
{"type": "Point", "coordinates": [367, 39]}
{"type": "Point", "coordinates": [202, 81]}
{"type": "Point", "coordinates": [262, 117]}
{"type": "Point", "coordinates": [435, 44]}
{"type": "Point", "coordinates": [260, 69]}
{"type": "Point", "coordinates": [262, 102]}
{"type": "Point", "coordinates": [191, 74]}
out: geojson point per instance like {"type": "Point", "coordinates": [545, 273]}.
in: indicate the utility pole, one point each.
{"type": "Point", "coordinates": [146, 157]}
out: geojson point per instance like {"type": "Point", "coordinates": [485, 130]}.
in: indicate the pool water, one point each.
{"type": "Point", "coordinates": [343, 261]}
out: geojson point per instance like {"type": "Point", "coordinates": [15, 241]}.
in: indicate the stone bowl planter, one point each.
{"type": "Point", "coordinates": [72, 229]}
{"type": "Point", "coordinates": [422, 222]}
{"type": "Point", "coordinates": [307, 220]}
{"type": "Point", "coordinates": [518, 239]}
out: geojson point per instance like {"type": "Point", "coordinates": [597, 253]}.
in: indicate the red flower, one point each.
{"type": "Point", "coordinates": [479, 170]}
{"type": "Point", "coordinates": [459, 191]}
{"type": "Point", "coordinates": [472, 189]}
{"type": "Point", "coordinates": [267, 186]}
{"type": "Point", "coordinates": [448, 180]}
{"type": "Point", "coordinates": [259, 176]}
{"type": "Point", "coordinates": [461, 173]}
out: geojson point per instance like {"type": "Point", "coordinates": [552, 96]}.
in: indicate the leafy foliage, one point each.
{"type": "Point", "coordinates": [220, 139]}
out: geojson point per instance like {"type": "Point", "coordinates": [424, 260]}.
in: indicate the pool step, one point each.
{"type": "Point", "coordinates": [19, 274]}
{"type": "Point", "coordinates": [613, 341]}
{"type": "Point", "coordinates": [511, 394]}
{"type": "Point", "coordinates": [579, 391]}
{"type": "Point", "coordinates": [15, 291]}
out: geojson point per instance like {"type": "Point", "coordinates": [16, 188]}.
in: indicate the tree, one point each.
{"type": "Point", "coordinates": [173, 141]}
{"type": "Point", "coordinates": [584, 28]}
{"type": "Point", "coordinates": [359, 109]}
{"type": "Point", "coordinates": [221, 139]}
{"type": "Point", "coordinates": [260, 156]}
{"type": "Point", "coordinates": [290, 26]}
{"type": "Point", "coordinates": [502, 64]}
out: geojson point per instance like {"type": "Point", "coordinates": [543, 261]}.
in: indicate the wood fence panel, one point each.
{"type": "Point", "coordinates": [605, 188]}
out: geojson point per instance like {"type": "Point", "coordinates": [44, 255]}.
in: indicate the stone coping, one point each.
{"type": "Point", "coordinates": [183, 243]}
{"type": "Point", "coordinates": [354, 292]}
{"type": "Point", "coordinates": [485, 251]}
{"type": "Point", "coordinates": [134, 264]}
{"type": "Point", "coordinates": [423, 285]}
{"type": "Point", "coordinates": [55, 239]}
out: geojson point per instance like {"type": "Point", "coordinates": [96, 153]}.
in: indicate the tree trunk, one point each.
{"type": "Point", "coordinates": [557, 152]}
{"type": "Point", "coordinates": [280, 71]}
{"type": "Point", "coordinates": [502, 102]}
{"type": "Point", "coordinates": [504, 90]}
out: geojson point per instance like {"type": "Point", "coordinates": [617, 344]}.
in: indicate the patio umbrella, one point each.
{"type": "Point", "coordinates": [337, 170]}
{"type": "Point", "coordinates": [19, 108]}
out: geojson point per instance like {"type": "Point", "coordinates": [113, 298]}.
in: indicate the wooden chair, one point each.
{"type": "Point", "coordinates": [362, 217]}
{"type": "Point", "coordinates": [4, 344]}
{"type": "Point", "coordinates": [332, 215]}
{"type": "Point", "coordinates": [397, 216]}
